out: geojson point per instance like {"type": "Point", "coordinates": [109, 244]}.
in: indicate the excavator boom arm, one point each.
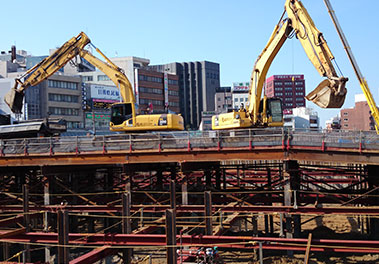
{"type": "Point", "coordinates": [45, 69]}
{"type": "Point", "coordinates": [329, 93]}
{"type": "Point", "coordinates": [262, 64]}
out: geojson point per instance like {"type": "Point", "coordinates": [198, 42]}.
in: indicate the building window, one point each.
{"type": "Point", "coordinates": [346, 125]}
{"type": "Point", "coordinates": [345, 113]}
{"type": "Point", "coordinates": [64, 111]}
{"type": "Point", "coordinates": [150, 79]}
{"type": "Point", "coordinates": [175, 104]}
{"type": "Point", "coordinates": [287, 83]}
{"type": "Point", "coordinates": [63, 98]}
{"type": "Point", "coordinates": [299, 99]}
{"type": "Point", "coordinates": [150, 90]}
{"type": "Point", "coordinates": [148, 101]}
{"type": "Point", "coordinates": [62, 84]}
{"type": "Point", "coordinates": [87, 78]}
{"type": "Point", "coordinates": [173, 93]}
{"type": "Point", "coordinates": [346, 119]}
{"type": "Point", "coordinates": [103, 78]}
{"type": "Point", "coordinates": [74, 124]}
{"type": "Point", "coordinates": [172, 82]}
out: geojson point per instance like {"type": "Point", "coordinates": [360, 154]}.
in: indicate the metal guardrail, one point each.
{"type": "Point", "coordinates": [192, 140]}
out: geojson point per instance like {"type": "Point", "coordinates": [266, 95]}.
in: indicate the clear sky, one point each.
{"type": "Point", "coordinates": [231, 33]}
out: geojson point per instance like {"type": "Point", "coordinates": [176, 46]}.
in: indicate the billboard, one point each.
{"type": "Point", "coordinates": [240, 87]}
{"type": "Point", "coordinates": [105, 92]}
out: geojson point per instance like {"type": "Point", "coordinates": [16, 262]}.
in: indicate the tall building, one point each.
{"type": "Point", "coordinates": [359, 117]}
{"type": "Point", "coordinates": [197, 87]}
{"type": "Point", "coordinates": [290, 88]}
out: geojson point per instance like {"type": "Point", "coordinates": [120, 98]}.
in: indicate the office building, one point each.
{"type": "Point", "coordinates": [289, 88]}
{"type": "Point", "coordinates": [59, 96]}
{"type": "Point", "coordinates": [198, 82]}
{"type": "Point", "coordinates": [358, 117]}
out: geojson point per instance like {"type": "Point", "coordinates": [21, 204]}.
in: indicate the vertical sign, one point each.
{"type": "Point", "coordinates": [166, 89]}
{"type": "Point", "coordinates": [136, 92]}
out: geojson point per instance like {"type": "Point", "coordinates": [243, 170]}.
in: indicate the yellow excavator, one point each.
{"type": "Point", "coordinates": [123, 115]}
{"type": "Point", "coordinates": [267, 112]}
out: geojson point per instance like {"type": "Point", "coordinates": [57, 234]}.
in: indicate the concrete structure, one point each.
{"type": "Point", "coordinates": [290, 88]}
{"type": "Point", "coordinates": [301, 118]}
{"type": "Point", "coordinates": [359, 117]}
{"type": "Point", "coordinates": [223, 100]}
{"type": "Point", "coordinates": [198, 82]}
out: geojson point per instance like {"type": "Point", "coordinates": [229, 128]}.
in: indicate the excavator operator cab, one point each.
{"type": "Point", "coordinates": [273, 115]}
{"type": "Point", "coordinates": [274, 109]}
{"type": "Point", "coordinates": [121, 112]}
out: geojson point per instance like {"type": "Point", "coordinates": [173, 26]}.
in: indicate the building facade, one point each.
{"type": "Point", "coordinates": [240, 94]}
{"type": "Point", "coordinates": [359, 117]}
{"type": "Point", "coordinates": [301, 118]}
{"type": "Point", "coordinates": [198, 82]}
{"type": "Point", "coordinates": [223, 100]}
{"type": "Point", "coordinates": [58, 96]}
{"type": "Point", "coordinates": [289, 88]}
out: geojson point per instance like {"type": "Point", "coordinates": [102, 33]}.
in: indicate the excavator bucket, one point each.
{"type": "Point", "coordinates": [325, 95]}
{"type": "Point", "coordinates": [14, 100]}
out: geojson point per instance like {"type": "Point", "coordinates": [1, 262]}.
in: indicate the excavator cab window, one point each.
{"type": "Point", "coordinates": [274, 109]}
{"type": "Point", "coordinates": [120, 113]}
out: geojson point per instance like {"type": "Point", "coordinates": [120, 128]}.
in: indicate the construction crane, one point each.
{"type": "Point", "coordinates": [267, 112]}
{"type": "Point", "coordinates": [362, 81]}
{"type": "Point", "coordinates": [123, 115]}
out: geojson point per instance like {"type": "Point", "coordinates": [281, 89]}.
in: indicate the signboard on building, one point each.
{"type": "Point", "coordinates": [295, 76]}
{"type": "Point", "coordinates": [136, 89]}
{"type": "Point", "coordinates": [166, 89]}
{"type": "Point", "coordinates": [98, 116]}
{"type": "Point", "coordinates": [105, 92]}
{"type": "Point", "coordinates": [240, 87]}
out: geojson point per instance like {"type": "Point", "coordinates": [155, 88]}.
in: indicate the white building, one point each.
{"type": "Point", "coordinates": [301, 118]}
{"type": "Point", "coordinates": [240, 94]}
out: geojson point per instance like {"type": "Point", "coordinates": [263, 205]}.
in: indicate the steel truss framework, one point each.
{"type": "Point", "coordinates": [99, 210]}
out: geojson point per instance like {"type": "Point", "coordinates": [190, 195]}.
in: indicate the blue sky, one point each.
{"type": "Point", "coordinates": [232, 33]}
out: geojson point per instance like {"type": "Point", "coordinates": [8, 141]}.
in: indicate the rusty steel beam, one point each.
{"type": "Point", "coordinates": [373, 210]}
{"type": "Point", "coordinates": [304, 153]}
{"type": "Point", "coordinates": [94, 255]}
{"type": "Point", "coordinates": [240, 242]}
{"type": "Point", "coordinates": [16, 219]}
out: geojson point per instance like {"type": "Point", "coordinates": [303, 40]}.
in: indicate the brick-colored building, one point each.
{"type": "Point", "coordinates": [359, 117]}
{"type": "Point", "coordinates": [289, 88]}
